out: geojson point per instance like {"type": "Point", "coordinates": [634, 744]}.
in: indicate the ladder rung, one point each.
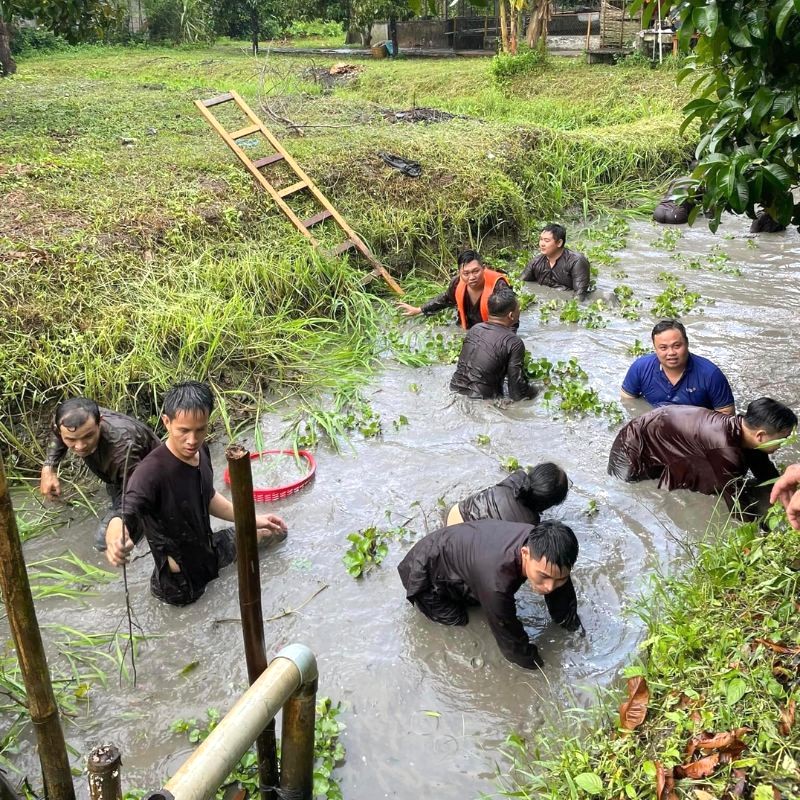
{"type": "Point", "coordinates": [248, 131]}
{"type": "Point", "coordinates": [267, 160]}
{"type": "Point", "coordinates": [295, 187]}
{"type": "Point", "coordinates": [348, 244]}
{"type": "Point", "coordinates": [220, 98]}
{"type": "Point", "coordinates": [317, 218]}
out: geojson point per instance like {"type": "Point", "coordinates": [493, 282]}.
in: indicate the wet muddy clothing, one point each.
{"type": "Point", "coordinates": [702, 383]}
{"type": "Point", "coordinates": [571, 271]}
{"type": "Point", "coordinates": [668, 212]}
{"type": "Point", "coordinates": [167, 502]}
{"type": "Point", "coordinates": [685, 447]}
{"type": "Point", "coordinates": [117, 433]}
{"type": "Point", "coordinates": [447, 299]}
{"type": "Point", "coordinates": [479, 563]}
{"type": "Point", "coordinates": [490, 353]}
{"type": "Point", "coordinates": [763, 223]}
{"type": "Point", "coordinates": [503, 501]}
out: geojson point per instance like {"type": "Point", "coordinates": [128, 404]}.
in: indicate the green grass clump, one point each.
{"type": "Point", "coordinates": [721, 653]}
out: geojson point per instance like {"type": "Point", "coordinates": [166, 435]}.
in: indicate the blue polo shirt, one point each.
{"type": "Point", "coordinates": [702, 383]}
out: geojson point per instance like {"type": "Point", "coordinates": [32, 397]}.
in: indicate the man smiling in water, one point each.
{"type": "Point", "coordinates": [169, 500]}
{"type": "Point", "coordinates": [485, 563]}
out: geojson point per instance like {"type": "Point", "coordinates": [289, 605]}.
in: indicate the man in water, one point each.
{"type": "Point", "coordinates": [674, 376]}
{"type": "Point", "coordinates": [558, 266]}
{"type": "Point", "coordinates": [468, 292]}
{"type": "Point", "coordinates": [492, 352]}
{"type": "Point", "coordinates": [110, 444]}
{"type": "Point", "coordinates": [169, 500]}
{"type": "Point", "coordinates": [685, 447]}
{"type": "Point", "coordinates": [485, 563]}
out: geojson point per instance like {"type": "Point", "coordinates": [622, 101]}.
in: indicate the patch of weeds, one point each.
{"type": "Point", "coordinates": [414, 350]}
{"type": "Point", "coordinates": [400, 422]}
{"type": "Point", "coordinates": [328, 751]}
{"type": "Point", "coordinates": [637, 349]}
{"type": "Point", "coordinates": [591, 509]}
{"type": "Point", "coordinates": [752, 244]}
{"type": "Point", "coordinates": [565, 386]}
{"type": "Point", "coordinates": [718, 261]}
{"type": "Point", "coordinates": [483, 440]}
{"type": "Point", "coordinates": [628, 304]}
{"type": "Point", "coordinates": [369, 546]}
{"type": "Point", "coordinates": [668, 240]}
{"type": "Point", "coordinates": [675, 300]}
{"type": "Point", "coordinates": [510, 463]}
{"type": "Point", "coordinates": [603, 241]}
{"type": "Point", "coordinates": [414, 388]}
{"type": "Point", "coordinates": [349, 412]}
{"type": "Point", "coordinates": [589, 315]}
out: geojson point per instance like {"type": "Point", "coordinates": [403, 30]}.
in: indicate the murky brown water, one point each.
{"type": "Point", "coordinates": [382, 659]}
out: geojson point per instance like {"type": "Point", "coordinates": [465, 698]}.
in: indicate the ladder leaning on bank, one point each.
{"type": "Point", "coordinates": [303, 183]}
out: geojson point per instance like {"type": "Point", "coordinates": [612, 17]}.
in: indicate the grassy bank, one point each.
{"type": "Point", "coordinates": [722, 654]}
{"type": "Point", "coordinates": [134, 251]}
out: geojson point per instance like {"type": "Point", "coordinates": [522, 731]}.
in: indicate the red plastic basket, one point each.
{"type": "Point", "coordinates": [269, 494]}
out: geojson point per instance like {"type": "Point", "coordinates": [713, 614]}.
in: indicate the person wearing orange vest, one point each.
{"type": "Point", "coordinates": [468, 292]}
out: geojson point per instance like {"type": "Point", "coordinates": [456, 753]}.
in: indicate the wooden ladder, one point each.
{"type": "Point", "coordinates": [304, 183]}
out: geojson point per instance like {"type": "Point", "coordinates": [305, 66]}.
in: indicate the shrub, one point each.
{"type": "Point", "coordinates": [304, 29]}
{"type": "Point", "coordinates": [181, 21]}
{"type": "Point", "coordinates": [26, 39]}
{"type": "Point", "coordinates": [504, 66]}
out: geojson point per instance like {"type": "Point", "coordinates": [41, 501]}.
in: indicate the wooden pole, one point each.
{"type": "Point", "coordinates": [297, 743]}
{"type": "Point", "coordinates": [244, 513]}
{"type": "Point", "coordinates": [27, 638]}
{"type": "Point", "coordinates": [103, 766]}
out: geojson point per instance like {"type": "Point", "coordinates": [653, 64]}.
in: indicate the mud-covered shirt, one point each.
{"type": "Point", "coordinates": [571, 271]}
{"type": "Point", "coordinates": [447, 299]}
{"type": "Point", "coordinates": [480, 563]}
{"type": "Point", "coordinates": [122, 438]}
{"type": "Point", "coordinates": [167, 502]}
{"type": "Point", "coordinates": [502, 501]}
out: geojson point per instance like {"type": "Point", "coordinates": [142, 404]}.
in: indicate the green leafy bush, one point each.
{"type": "Point", "coordinates": [26, 39]}
{"type": "Point", "coordinates": [503, 67]}
{"type": "Point", "coordinates": [305, 29]}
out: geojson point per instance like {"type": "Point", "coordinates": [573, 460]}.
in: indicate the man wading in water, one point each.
{"type": "Point", "coordinates": [469, 292]}
{"type": "Point", "coordinates": [169, 500]}
{"type": "Point", "coordinates": [110, 444]}
{"type": "Point", "coordinates": [485, 563]}
{"type": "Point", "coordinates": [558, 266]}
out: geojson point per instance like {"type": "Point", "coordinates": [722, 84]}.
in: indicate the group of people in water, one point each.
{"type": "Point", "coordinates": [494, 540]}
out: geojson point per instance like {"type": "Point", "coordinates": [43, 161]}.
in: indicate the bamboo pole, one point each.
{"type": "Point", "coordinates": [297, 742]}
{"type": "Point", "coordinates": [103, 766]}
{"type": "Point", "coordinates": [21, 613]}
{"type": "Point", "coordinates": [244, 513]}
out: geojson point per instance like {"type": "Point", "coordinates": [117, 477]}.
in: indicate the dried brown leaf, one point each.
{"type": "Point", "coordinates": [779, 648]}
{"type": "Point", "coordinates": [665, 783]}
{"type": "Point", "coordinates": [728, 742]}
{"type": "Point", "coordinates": [787, 718]}
{"type": "Point", "coordinates": [633, 711]}
{"type": "Point", "coordinates": [701, 768]}
{"type": "Point", "coordinates": [701, 794]}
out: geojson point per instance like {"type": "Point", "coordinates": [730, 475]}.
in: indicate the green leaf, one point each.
{"type": "Point", "coordinates": [786, 10]}
{"type": "Point", "coordinates": [762, 103]}
{"type": "Point", "coordinates": [590, 782]}
{"type": "Point", "coordinates": [737, 689]}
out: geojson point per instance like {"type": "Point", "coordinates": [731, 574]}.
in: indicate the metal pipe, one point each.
{"type": "Point", "coordinates": [204, 771]}
{"type": "Point", "coordinates": [103, 766]}
{"type": "Point", "coordinates": [21, 613]}
{"type": "Point", "coordinates": [244, 513]}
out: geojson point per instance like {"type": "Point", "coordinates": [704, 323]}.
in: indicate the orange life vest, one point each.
{"type": "Point", "coordinates": [490, 278]}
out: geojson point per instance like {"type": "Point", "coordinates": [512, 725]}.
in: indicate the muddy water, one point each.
{"type": "Point", "coordinates": [388, 665]}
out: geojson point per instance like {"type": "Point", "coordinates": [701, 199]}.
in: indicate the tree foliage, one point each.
{"type": "Point", "coordinates": [745, 73]}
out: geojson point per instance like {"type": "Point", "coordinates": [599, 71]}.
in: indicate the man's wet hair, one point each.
{"type": "Point", "coordinates": [502, 302]}
{"type": "Point", "coordinates": [559, 232]}
{"type": "Point", "coordinates": [769, 415]}
{"type": "Point", "coordinates": [555, 542]}
{"type": "Point", "coordinates": [468, 256]}
{"type": "Point", "coordinates": [669, 325]}
{"type": "Point", "coordinates": [546, 485]}
{"type": "Point", "coordinates": [191, 397]}
{"type": "Point", "coordinates": [76, 411]}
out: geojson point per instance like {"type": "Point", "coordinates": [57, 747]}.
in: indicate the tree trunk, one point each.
{"type": "Point", "coordinates": [255, 29]}
{"type": "Point", "coordinates": [7, 64]}
{"type": "Point", "coordinates": [512, 36]}
{"type": "Point", "coordinates": [393, 36]}
{"type": "Point", "coordinates": [537, 27]}
{"type": "Point", "coordinates": [503, 29]}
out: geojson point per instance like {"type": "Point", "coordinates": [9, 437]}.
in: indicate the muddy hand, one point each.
{"type": "Point", "coordinates": [270, 524]}
{"type": "Point", "coordinates": [49, 484]}
{"type": "Point", "coordinates": [408, 310]}
{"type": "Point", "coordinates": [786, 486]}
{"type": "Point", "coordinates": [118, 543]}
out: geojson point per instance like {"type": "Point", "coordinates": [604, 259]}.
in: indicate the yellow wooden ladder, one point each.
{"type": "Point", "coordinates": [304, 183]}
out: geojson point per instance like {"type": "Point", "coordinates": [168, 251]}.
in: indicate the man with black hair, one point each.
{"type": "Point", "coordinates": [170, 499]}
{"type": "Point", "coordinates": [492, 352]}
{"type": "Point", "coordinates": [110, 444]}
{"type": "Point", "coordinates": [468, 292]}
{"type": "Point", "coordinates": [671, 375]}
{"type": "Point", "coordinates": [685, 447]}
{"type": "Point", "coordinates": [521, 497]}
{"type": "Point", "coordinates": [485, 563]}
{"type": "Point", "coordinates": [558, 266]}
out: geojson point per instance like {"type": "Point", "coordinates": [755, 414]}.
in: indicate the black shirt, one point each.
{"type": "Point", "coordinates": [447, 299]}
{"type": "Point", "coordinates": [571, 271]}
{"type": "Point", "coordinates": [490, 353]}
{"type": "Point", "coordinates": [502, 501]}
{"type": "Point", "coordinates": [118, 432]}
{"type": "Point", "coordinates": [480, 563]}
{"type": "Point", "coordinates": [167, 502]}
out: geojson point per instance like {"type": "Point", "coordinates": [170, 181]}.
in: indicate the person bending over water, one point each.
{"type": "Point", "coordinates": [468, 292]}
{"type": "Point", "coordinates": [110, 444]}
{"type": "Point", "coordinates": [684, 447]}
{"type": "Point", "coordinates": [169, 500]}
{"type": "Point", "coordinates": [558, 266]}
{"type": "Point", "coordinates": [674, 376]}
{"type": "Point", "coordinates": [485, 563]}
{"type": "Point", "coordinates": [491, 353]}
{"type": "Point", "coordinates": [521, 497]}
